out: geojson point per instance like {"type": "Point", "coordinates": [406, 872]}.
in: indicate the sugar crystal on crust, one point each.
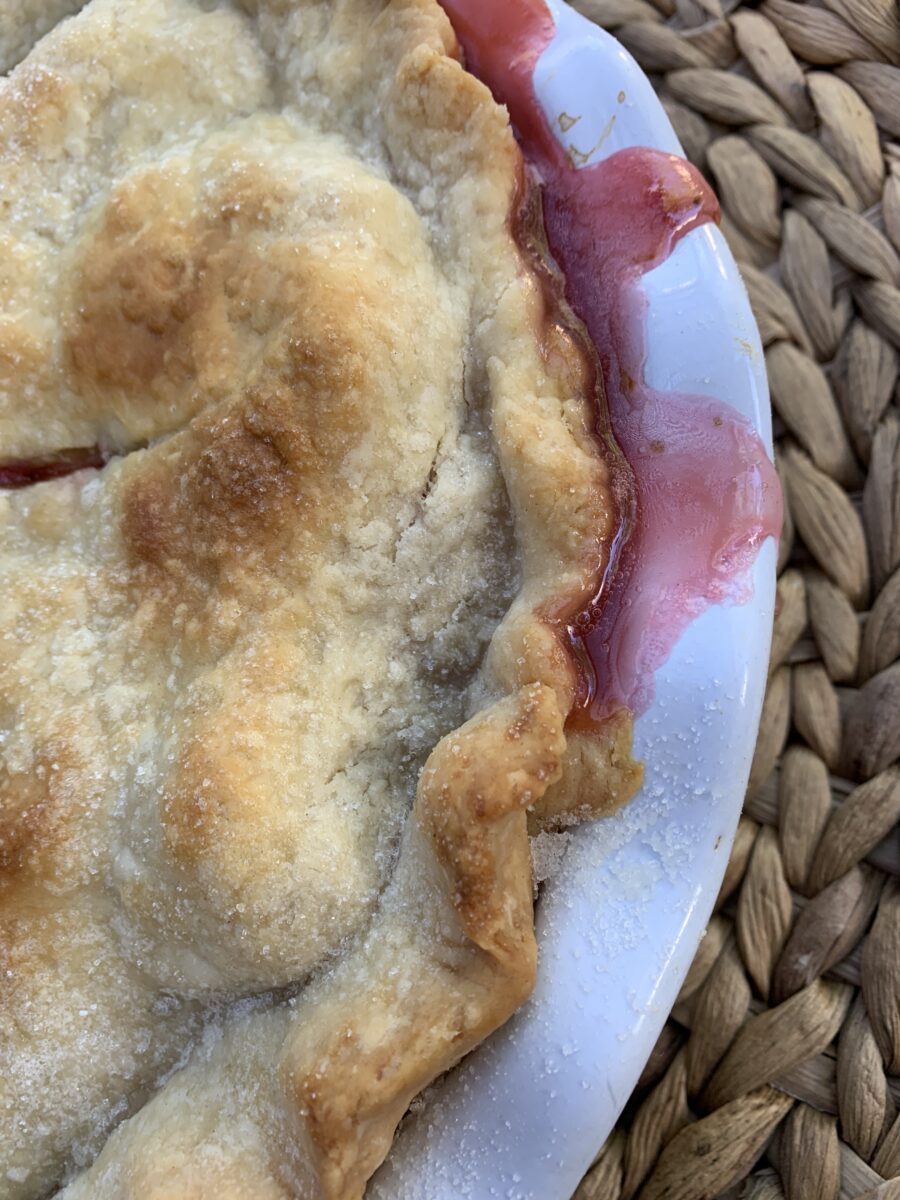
{"type": "Point", "coordinates": [278, 695]}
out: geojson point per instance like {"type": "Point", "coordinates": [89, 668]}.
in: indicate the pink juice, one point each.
{"type": "Point", "coordinates": [706, 495]}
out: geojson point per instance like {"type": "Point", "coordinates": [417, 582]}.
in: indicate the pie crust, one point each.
{"type": "Point", "coordinates": [285, 683]}
{"type": "Point", "coordinates": [23, 22]}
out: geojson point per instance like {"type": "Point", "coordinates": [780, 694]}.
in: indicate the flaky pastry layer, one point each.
{"type": "Point", "coordinates": [278, 691]}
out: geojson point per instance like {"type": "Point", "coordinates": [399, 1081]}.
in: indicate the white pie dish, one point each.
{"type": "Point", "coordinates": [619, 923]}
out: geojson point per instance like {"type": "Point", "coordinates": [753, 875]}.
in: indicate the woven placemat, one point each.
{"type": "Point", "coordinates": [778, 1072]}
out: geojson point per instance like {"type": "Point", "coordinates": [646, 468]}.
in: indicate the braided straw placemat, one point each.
{"type": "Point", "coordinates": [778, 1072]}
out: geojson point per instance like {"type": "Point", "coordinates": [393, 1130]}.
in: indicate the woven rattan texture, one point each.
{"type": "Point", "coordinates": [778, 1072]}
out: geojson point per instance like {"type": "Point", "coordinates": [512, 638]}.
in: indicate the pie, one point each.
{"type": "Point", "coordinates": [22, 22]}
{"type": "Point", "coordinates": [303, 482]}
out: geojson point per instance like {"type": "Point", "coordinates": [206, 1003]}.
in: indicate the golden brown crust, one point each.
{"type": "Point", "coordinates": [598, 776]}
{"type": "Point", "coordinates": [449, 957]}
{"type": "Point", "coordinates": [384, 1046]}
{"type": "Point", "coordinates": [287, 286]}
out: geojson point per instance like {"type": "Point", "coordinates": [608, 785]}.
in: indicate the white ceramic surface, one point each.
{"type": "Point", "coordinates": [619, 924]}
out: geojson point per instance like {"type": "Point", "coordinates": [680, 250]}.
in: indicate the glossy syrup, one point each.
{"type": "Point", "coordinates": [705, 493]}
